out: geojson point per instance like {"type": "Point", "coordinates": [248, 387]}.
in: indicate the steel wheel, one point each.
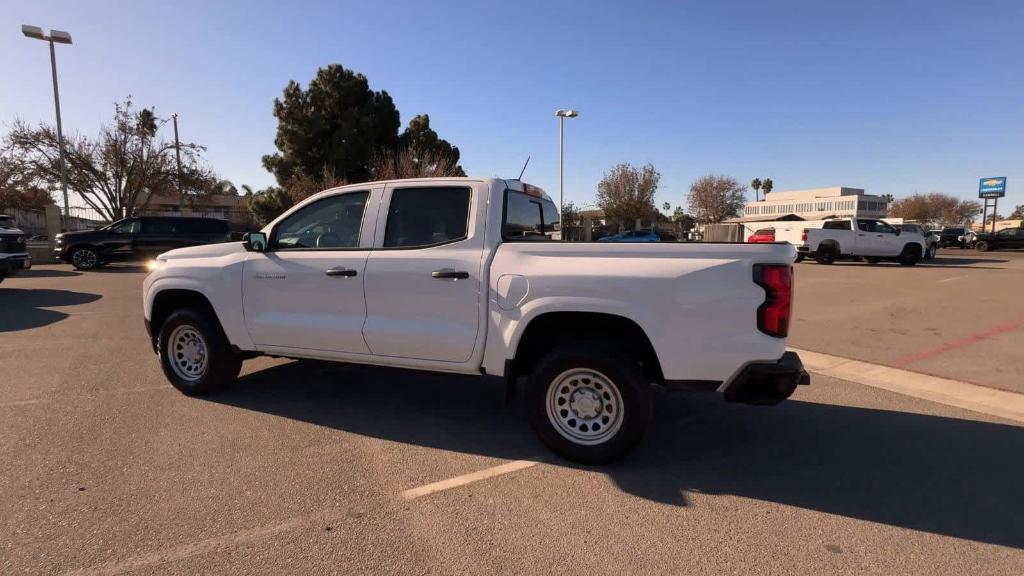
{"type": "Point", "coordinates": [188, 353]}
{"type": "Point", "coordinates": [584, 406]}
{"type": "Point", "coordinates": [84, 258]}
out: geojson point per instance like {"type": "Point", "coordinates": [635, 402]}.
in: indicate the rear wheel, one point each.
{"type": "Point", "coordinates": [589, 402]}
{"type": "Point", "coordinates": [826, 255]}
{"type": "Point", "coordinates": [982, 246]}
{"type": "Point", "coordinates": [84, 258]}
{"type": "Point", "coordinates": [194, 353]}
{"type": "Point", "coordinates": [911, 255]}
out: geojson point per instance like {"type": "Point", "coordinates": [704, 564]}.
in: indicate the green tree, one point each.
{"type": "Point", "coordinates": [20, 187]}
{"type": "Point", "coordinates": [269, 203]}
{"type": "Point", "coordinates": [756, 185]}
{"type": "Point", "coordinates": [1018, 212]}
{"type": "Point", "coordinates": [627, 193]}
{"type": "Point", "coordinates": [767, 186]}
{"type": "Point", "coordinates": [680, 215]}
{"type": "Point", "coordinates": [714, 198]}
{"type": "Point", "coordinates": [335, 125]}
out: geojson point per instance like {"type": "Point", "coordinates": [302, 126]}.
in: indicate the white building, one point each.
{"type": "Point", "coordinates": [816, 204]}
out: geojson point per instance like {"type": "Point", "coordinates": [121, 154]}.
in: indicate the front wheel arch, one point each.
{"type": "Point", "coordinates": [166, 302]}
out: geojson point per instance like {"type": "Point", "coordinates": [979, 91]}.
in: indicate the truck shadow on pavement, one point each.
{"type": "Point", "coordinates": [23, 309]}
{"type": "Point", "coordinates": [946, 476]}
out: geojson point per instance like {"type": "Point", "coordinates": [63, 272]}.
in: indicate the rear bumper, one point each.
{"type": "Point", "coordinates": [767, 383]}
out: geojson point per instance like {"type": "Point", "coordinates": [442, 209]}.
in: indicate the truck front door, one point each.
{"type": "Point", "coordinates": [423, 278]}
{"type": "Point", "coordinates": [306, 291]}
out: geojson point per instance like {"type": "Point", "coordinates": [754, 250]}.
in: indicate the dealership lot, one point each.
{"type": "Point", "coordinates": [311, 468]}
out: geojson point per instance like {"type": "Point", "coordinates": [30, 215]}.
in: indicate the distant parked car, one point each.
{"type": "Point", "coordinates": [762, 236]}
{"type": "Point", "coordinates": [632, 236]}
{"type": "Point", "coordinates": [1008, 238]}
{"type": "Point", "coordinates": [13, 254]}
{"type": "Point", "coordinates": [953, 237]}
{"type": "Point", "coordinates": [137, 239]}
{"type": "Point", "coordinates": [931, 240]}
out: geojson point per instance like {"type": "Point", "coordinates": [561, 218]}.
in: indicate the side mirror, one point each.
{"type": "Point", "coordinates": [254, 241]}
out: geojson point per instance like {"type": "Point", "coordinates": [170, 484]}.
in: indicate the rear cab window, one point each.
{"type": "Point", "coordinates": [424, 217]}
{"type": "Point", "coordinates": [840, 225]}
{"type": "Point", "coordinates": [528, 217]}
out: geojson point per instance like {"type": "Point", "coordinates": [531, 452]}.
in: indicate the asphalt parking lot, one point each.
{"type": "Point", "coordinates": [306, 468]}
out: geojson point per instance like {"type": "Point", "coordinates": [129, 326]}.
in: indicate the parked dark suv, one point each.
{"type": "Point", "coordinates": [137, 239]}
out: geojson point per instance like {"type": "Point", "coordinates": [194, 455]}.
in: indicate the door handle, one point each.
{"type": "Point", "coordinates": [859, 234]}
{"type": "Point", "coordinates": [449, 273]}
{"type": "Point", "coordinates": [341, 271]}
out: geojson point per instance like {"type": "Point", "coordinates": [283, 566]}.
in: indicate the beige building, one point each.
{"type": "Point", "coordinates": [816, 204]}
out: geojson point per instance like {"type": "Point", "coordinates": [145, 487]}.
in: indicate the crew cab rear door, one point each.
{"type": "Point", "coordinates": [424, 277]}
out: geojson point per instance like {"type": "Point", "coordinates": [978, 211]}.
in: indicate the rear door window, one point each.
{"type": "Point", "coordinates": [840, 225]}
{"type": "Point", "coordinates": [528, 217]}
{"type": "Point", "coordinates": [421, 217]}
{"type": "Point", "coordinates": [158, 226]}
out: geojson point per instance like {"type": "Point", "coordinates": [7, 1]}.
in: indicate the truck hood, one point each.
{"type": "Point", "coordinates": [203, 251]}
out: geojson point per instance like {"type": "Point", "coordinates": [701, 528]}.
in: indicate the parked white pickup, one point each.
{"type": "Point", "coordinates": [460, 275]}
{"type": "Point", "coordinates": [872, 239]}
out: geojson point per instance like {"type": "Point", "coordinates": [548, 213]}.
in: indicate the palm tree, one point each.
{"type": "Point", "coordinates": [767, 186]}
{"type": "Point", "coordinates": [756, 185]}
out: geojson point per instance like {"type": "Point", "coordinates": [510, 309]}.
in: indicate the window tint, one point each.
{"type": "Point", "coordinates": [333, 222]}
{"type": "Point", "coordinates": [126, 227]}
{"type": "Point", "coordinates": [524, 217]}
{"type": "Point", "coordinates": [420, 217]}
{"type": "Point", "coordinates": [839, 225]}
{"type": "Point", "coordinates": [158, 226]}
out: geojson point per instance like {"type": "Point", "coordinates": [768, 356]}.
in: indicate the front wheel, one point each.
{"type": "Point", "coordinates": [589, 402]}
{"type": "Point", "coordinates": [194, 353]}
{"type": "Point", "coordinates": [84, 258]}
{"type": "Point", "coordinates": [982, 246]}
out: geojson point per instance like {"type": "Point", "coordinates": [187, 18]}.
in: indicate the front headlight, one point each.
{"type": "Point", "coordinates": [157, 264]}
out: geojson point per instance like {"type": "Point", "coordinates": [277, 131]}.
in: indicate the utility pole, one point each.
{"type": "Point", "coordinates": [177, 157]}
{"type": "Point", "coordinates": [562, 115]}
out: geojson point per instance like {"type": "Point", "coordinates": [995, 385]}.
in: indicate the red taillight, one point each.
{"type": "Point", "coordinates": [773, 315]}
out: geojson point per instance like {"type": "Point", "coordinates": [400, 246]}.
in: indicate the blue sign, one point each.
{"type": "Point", "coordinates": [992, 187]}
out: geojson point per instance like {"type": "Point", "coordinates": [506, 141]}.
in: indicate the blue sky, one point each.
{"type": "Point", "coordinates": [891, 96]}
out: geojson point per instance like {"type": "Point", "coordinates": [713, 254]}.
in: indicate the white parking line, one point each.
{"type": "Point", "coordinates": [951, 279]}
{"type": "Point", "coordinates": [1001, 403]}
{"type": "Point", "coordinates": [457, 481]}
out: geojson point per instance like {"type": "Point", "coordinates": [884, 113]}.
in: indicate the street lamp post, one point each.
{"type": "Point", "coordinates": [562, 115]}
{"type": "Point", "coordinates": [61, 37]}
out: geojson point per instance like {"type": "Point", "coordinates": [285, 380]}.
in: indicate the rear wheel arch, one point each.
{"type": "Point", "coordinates": [553, 329]}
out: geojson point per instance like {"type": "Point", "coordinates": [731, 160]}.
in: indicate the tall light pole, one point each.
{"type": "Point", "coordinates": [177, 156]}
{"type": "Point", "coordinates": [61, 37]}
{"type": "Point", "coordinates": [562, 114]}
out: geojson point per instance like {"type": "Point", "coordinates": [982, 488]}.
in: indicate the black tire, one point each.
{"type": "Point", "coordinates": [800, 257]}
{"type": "Point", "coordinates": [84, 258]}
{"type": "Point", "coordinates": [872, 259]}
{"type": "Point", "coordinates": [826, 255]}
{"type": "Point", "coordinates": [982, 246]}
{"type": "Point", "coordinates": [221, 366]}
{"type": "Point", "coordinates": [583, 374]}
{"type": "Point", "coordinates": [911, 255]}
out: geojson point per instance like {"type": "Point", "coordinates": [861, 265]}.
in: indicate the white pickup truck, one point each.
{"type": "Point", "coordinates": [872, 239]}
{"type": "Point", "coordinates": [461, 275]}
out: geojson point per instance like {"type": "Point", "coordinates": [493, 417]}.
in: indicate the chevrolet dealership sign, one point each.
{"type": "Point", "coordinates": [992, 187]}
